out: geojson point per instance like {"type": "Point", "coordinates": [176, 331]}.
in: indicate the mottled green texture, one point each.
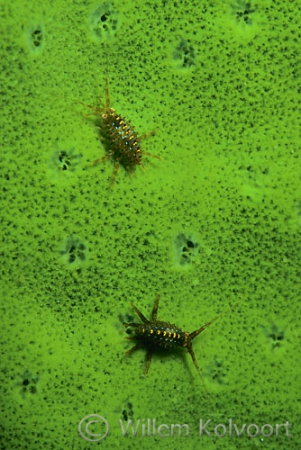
{"type": "Point", "coordinates": [215, 221]}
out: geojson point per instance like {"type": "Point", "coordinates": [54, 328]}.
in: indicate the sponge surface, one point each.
{"type": "Point", "coordinates": [215, 223]}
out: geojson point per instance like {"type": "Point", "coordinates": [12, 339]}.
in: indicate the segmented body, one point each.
{"type": "Point", "coordinates": [121, 139]}
{"type": "Point", "coordinates": [124, 139]}
{"type": "Point", "coordinates": [161, 334]}
{"type": "Point", "coordinates": [155, 334]}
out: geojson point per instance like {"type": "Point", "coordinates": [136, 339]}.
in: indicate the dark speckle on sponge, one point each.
{"type": "Point", "coordinates": [104, 22]}
{"type": "Point", "coordinates": [74, 252]}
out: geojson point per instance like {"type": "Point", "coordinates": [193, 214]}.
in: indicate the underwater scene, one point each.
{"type": "Point", "coordinates": [150, 225]}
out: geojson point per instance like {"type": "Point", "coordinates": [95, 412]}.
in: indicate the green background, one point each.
{"type": "Point", "coordinates": [214, 222]}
